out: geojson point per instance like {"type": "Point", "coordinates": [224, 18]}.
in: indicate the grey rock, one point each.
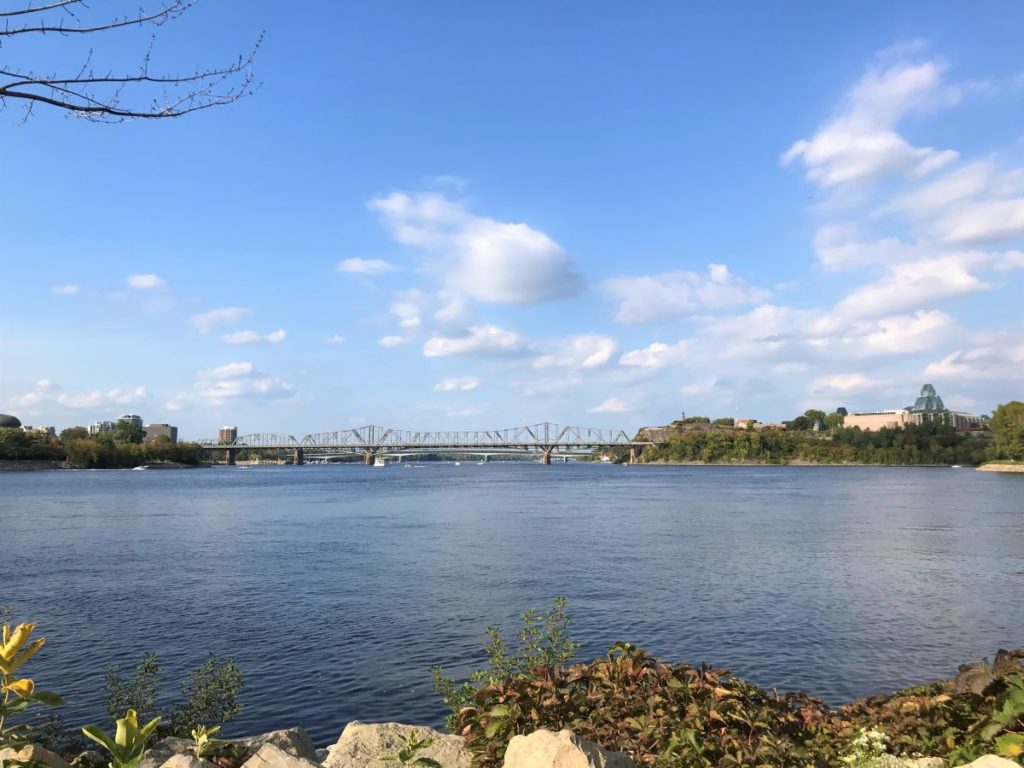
{"type": "Point", "coordinates": [293, 741]}
{"type": "Point", "coordinates": [992, 761]}
{"type": "Point", "coordinates": [186, 761]}
{"type": "Point", "coordinates": [321, 754]}
{"type": "Point", "coordinates": [35, 754]}
{"type": "Point", "coordinates": [164, 750]}
{"type": "Point", "coordinates": [546, 749]}
{"type": "Point", "coordinates": [272, 756]}
{"type": "Point", "coordinates": [362, 745]}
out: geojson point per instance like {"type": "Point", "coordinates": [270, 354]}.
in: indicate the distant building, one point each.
{"type": "Point", "coordinates": [48, 431]}
{"type": "Point", "coordinates": [153, 431]}
{"type": "Point", "coordinates": [131, 418]}
{"type": "Point", "coordinates": [227, 434]}
{"type": "Point", "coordinates": [99, 427]}
{"type": "Point", "coordinates": [927, 408]}
{"type": "Point", "coordinates": [744, 423]}
{"type": "Point", "coordinates": [9, 422]}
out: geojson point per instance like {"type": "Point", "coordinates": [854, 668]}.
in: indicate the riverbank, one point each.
{"type": "Point", "coordinates": [1002, 467]}
{"type": "Point", "coordinates": [794, 463]}
{"type": "Point", "coordinates": [38, 465]}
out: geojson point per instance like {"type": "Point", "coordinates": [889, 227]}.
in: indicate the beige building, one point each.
{"type": "Point", "coordinates": [873, 420]}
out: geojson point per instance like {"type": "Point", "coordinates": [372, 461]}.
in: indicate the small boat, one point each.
{"type": "Point", "coordinates": [954, 466]}
{"type": "Point", "coordinates": [457, 463]}
{"type": "Point", "coordinates": [141, 466]}
{"type": "Point", "coordinates": [480, 463]}
{"type": "Point", "coordinates": [380, 461]}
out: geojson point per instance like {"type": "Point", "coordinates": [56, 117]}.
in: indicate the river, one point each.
{"type": "Point", "coordinates": [337, 587]}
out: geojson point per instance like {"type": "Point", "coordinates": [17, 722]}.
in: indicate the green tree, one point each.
{"type": "Point", "coordinates": [1008, 430]}
{"type": "Point", "coordinates": [729, 421]}
{"type": "Point", "coordinates": [74, 433]}
{"type": "Point", "coordinates": [128, 432]}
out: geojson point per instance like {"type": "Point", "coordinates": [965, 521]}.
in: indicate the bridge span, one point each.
{"type": "Point", "coordinates": [543, 439]}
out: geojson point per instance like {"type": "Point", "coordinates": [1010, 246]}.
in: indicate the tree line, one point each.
{"type": "Point", "coordinates": [701, 439]}
{"type": "Point", "coordinates": [108, 450]}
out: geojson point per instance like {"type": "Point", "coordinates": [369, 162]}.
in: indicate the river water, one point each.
{"type": "Point", "coordinates": [337, 587]}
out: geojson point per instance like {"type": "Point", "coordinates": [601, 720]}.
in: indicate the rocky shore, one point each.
{"type": "Point", "coordinates": [376, 745]}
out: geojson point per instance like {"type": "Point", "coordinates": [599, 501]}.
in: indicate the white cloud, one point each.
{"type": "Point", "coordinates": [861, 144]}
{"type": "Point", "coordinates": [206, 321]}
{"type": "Point", "coordinates": [843, 382]}
{"type": "Point", "coordinates": [1000, 361]}
{"type": "Point", "coordinates": [457, 384]}
{"type": "Point", "coordinates": [611, 405]}
{"type": "Point", "coordinates": [484, 259]}
{"type": "Point", "coordinates": [912, 284]}
{"type": "Point", "coordinates": [393, 341]}
{"type": "Point", "coordinates": [587, 350]}
{"type": "Point", "coordinates": [65, 290]}
{"type": "Point", "coordinates": [335, 339]}
{"type": "Point", "coordinates": [144, 281]}
{"type": "Point", "coordinates": [651, 298]}
{"type": "Point", "coordinates": [366, 266]}
{"type": "Point", "coordinates": [252, 337]}
{"type": "Point", "coordinates": [231, 381]}
{"type": "Point", "coordinates": [657, 355]}
{"type": "Point", "coordinates": [480, 340]}
{"type": "Point", "coordinates": [46, 392]}
{"type": "Point", "coordinates": [908, 334]}
{"type": "Point", "coordinates": [984, 221]}
{"type": "Point", "coordinates": [838, 247]}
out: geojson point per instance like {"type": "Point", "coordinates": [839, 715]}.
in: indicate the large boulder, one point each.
{"type": "Point", "coordinates": [164, 750]}
{"type": "Point", "coordinates": [546, 749]}
{"type": "Point", "coordinates": [992, 761]}
{"type": "Point", "coordinates": [294, 741]}
{"type": "Point", "coordinates": [362, 745]}
{"type": "Point", "coordinates": [186, 761]}
{"type": "Point", "coordinates": [272, 756]}
{"type": "Point", "coordinates": [33, 753]}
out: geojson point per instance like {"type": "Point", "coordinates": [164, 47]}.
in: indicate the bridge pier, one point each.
{"type": "Point", "coordinates": [368, 458]}
{"type": "Point", "coordinates": [632, 455]}
{"type": "Point", "coordinates": [298, 458]}
{"type": "Point", "coordinates": [229, 457]}
{"type": "Point", "coordinates": [545, 457]}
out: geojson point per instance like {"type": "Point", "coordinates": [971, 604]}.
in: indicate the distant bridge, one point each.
{"type": "Point", "coordinates": [543, 439]}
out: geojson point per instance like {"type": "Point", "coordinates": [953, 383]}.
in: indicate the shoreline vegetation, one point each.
{"type": "Point", "coordinates": [655, 714]}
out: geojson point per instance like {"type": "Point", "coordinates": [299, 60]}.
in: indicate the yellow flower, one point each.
{"type": "Point", "coordinates": [10, 658]}
{"type": "Point", "coordinates": [23, 687]}
{"type": "Point", "coordinates": [126, 726]}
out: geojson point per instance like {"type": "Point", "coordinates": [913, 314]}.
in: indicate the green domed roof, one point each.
{"type": "Point", "coordinates": [9, 421]}
{"type": "Point", "coordinates": [928, 402]}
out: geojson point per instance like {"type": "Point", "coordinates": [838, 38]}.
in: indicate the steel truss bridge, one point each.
{"type": "Point", "coordinates": [543, 439]}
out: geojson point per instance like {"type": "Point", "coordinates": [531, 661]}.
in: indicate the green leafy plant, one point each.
{"type": "Point", "coordinates": [209, 694]}
{"type": "Point", "coordinates": [867, 749]}
{"type": "Point", "coordinates": [206, 745]}
{"type": "Point", "coordinates": [409, 754]}
{"type": "Point", "coordinates": [128, 744]}
{"type": "Point", "coordinates": [17, 693]}
{"type": "Point", "coordinates": [543, 642]}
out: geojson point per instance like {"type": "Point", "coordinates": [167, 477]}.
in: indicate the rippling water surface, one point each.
{"type": "Point", "coordinates": [337, 587]}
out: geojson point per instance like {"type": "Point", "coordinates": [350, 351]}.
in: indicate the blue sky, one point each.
{"type": "Point", "coordinates": [484, 215]}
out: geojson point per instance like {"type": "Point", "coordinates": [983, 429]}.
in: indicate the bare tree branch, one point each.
{"type": "Point", "coordinates": [116, 96]}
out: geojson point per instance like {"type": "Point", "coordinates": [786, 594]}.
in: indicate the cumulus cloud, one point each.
{"type": "Point", "coordinates": [1004, 361]}
{"type": "Point", "coordinates": [479, 340]}
{"type": "Point", "coordinates": [908, 334]}
{"type": "Point", "coordinates": [46, 392]}
{"type": "Point", "coordinates": [393, 341]}
{"type": "Point", "coordinates": [366, 266]}
{"type": "Point", "coordinates": [838, 246]}
{"type": "Point", "coordinates": [207, 321]}
{"type": "Point", "coordinates": [67, 289]}
{"type": "Point", "coordinates": [232, 381]}
{"type": "Point", "coordinates": [670, 295]}
{"type": "Point", "coordinates": [843, 382]}
{"type": "Point", "coordinates": [861, 143]}
{"type": "Point", "coordinates": [253, 337]}
{"type": "Point", "coordinates": [335, 339]}
{"type": "Point", "coordinates": [611, 405]}
{"type": "Point", "coordinates": [587, 350]}
{"type": "Point", "coordinates": [657, 355]}
{"type": "Point", "coordinates": [144, 281]}
{"type": "Point", "coordinates": [913, 284]}
{"type": "Point", "coordinates": [484, 259]}
{"type": "Point", "coordinates": [457, 384]}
